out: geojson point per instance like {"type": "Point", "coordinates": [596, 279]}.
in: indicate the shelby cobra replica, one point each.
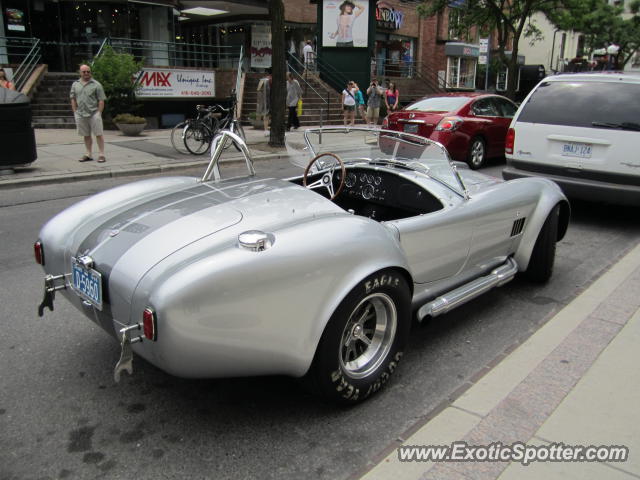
{"type": "Point", "coordinates": [317, 276]}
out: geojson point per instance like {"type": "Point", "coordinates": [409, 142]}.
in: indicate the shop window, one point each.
{"type": "Point", "coordinates": [461, 72]}
{"type": "Point", "coordinates": [454, 24]}
{"type": "Point", "coordinates": [502, 80]}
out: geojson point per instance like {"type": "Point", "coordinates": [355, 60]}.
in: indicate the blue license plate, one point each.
{"type": "Point", "coordinates": [87, 283]}
{"type": "Point", "coordinates": [579, 150]}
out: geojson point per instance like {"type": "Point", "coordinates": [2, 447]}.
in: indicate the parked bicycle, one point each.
{"type": "Point", "coordinates": [197, 134]}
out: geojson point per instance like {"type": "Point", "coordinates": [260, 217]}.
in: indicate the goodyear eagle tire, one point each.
{"type": "Point", "coordinates": [364, 339]}
{"type": "Point", "coordinates": [544, 251]}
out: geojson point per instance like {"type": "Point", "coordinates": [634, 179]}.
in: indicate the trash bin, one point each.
{"type": "Point", "coordinates": [17, 137]}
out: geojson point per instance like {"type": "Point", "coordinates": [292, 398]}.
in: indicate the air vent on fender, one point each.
{"type": "Point", "coordinates": [518, 225]}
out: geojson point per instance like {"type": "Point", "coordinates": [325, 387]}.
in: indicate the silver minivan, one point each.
{"type": "Point", "coordinates": [583, 132]}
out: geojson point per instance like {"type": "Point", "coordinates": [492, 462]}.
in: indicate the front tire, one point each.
{"type": "Point", "coordinates": [544, 251]}
{"type": "Point", "coordinates": [364, 339]}
{"type": "Point", "coordinates": [197, 138]}
{"type": "Point", "coordinates": [477, 153]}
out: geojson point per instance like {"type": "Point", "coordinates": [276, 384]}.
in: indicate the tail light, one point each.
{"type": "Point", "coordinates": [449, 124]}
{"type": "Point", "coordinates": [38, 251]}
{"type": "Point", "coordinates": [385, 122]}
{"type": "Point", "coordinates": [510, 141]}
{"type": "Point", "coordinates": [150, 324]}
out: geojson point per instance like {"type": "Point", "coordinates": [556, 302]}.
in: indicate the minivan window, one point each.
{"type": "Point", "coordinates": [581, 104]}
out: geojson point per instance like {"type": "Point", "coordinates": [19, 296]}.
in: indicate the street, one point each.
{"type": "Point", "coordinates": [62, 416]}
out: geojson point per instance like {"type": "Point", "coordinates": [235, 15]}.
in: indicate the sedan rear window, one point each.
{"type": "Point", "coordinates": [438, 104]}
{"type": "Point", "coordinates": [583, 104]}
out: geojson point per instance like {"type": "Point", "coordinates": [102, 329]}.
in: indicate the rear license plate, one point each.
{"type": "Point", "coordinates": [579, 150]}
{"type": "Point", "coordinates": [411, 127]}
{"type": "Point", "coordinates": [87, 283]}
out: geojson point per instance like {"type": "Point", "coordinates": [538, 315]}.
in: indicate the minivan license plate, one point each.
{"type": "Point", "coordinates": [87, 283]}
{"type": "Point", "coordinates": [580, 150]}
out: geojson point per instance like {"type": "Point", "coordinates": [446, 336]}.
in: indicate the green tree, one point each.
{"type": "Point", "coordinates": [278, 70]}
{"type": "Point", "coordinates": [602, 24]}
{"type": "Point", "coordinates": [507, 19]}
{"type": "Point", "coordinates": [116, 72]}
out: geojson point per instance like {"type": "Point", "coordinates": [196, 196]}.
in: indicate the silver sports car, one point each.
{"type": "Point", "coordinates": [317, 276]}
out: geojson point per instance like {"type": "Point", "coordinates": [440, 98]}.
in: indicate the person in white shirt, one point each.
{"type": "Point", "coordinates": [307, 51]}
{"type": "Point", "coordinates": [344, 23]}
{"type": "Point", "coordinates": [349, 104]}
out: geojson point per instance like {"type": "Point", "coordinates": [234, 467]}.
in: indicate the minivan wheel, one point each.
{"type": "Point", "coordinates": [477, 153]}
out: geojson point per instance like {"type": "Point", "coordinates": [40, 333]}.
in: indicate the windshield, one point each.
{"type": "Point", "coordinates": [438, 104]}
{"type": "Point", "coordinates": [357, 145]}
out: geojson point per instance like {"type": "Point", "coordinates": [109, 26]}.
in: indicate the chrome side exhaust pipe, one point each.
{"type": "Point", "coordinates": [469, 291]}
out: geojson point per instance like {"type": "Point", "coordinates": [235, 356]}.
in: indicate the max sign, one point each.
{"type": "Point", "coordinates": [156, 83]}
{"type": "Point", "coordinates": [388, 17]}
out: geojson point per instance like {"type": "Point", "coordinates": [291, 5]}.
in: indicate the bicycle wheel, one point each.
{"type": "Point", "coordinates": [197, 138]}
{"type": "Point", "coordinates": [177, 140]}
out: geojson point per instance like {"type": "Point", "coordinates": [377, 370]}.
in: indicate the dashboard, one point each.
{"type": "Point", "coordinates": [384, 188]}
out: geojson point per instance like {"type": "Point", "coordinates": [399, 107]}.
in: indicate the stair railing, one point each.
{"type": "Point", "coordinates": [26, 52]}
{"type": "Point", "coordinates": [296, 67]}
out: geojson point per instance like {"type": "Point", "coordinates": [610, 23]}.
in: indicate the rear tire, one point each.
{"type": "Point", "coordinates": [544, 251]}
{"type": "Point", "coordinates": [347, 369]}
{"type": "Point", "coordinates": [477, 153]}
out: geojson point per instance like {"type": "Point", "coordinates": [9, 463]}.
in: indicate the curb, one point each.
{"type": "Point", "coordinates": [473, 402]}
{"type": "Point", "coordinates": [125, 172]}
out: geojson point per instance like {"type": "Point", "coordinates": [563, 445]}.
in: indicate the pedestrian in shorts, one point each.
{"type": "Point", "coordinates": [87, 103]}
{"type": "Point", "coordinates": [374, 93]}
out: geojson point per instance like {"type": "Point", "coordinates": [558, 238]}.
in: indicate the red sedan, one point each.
{"type": "Point", "coordinates": [472, 126]}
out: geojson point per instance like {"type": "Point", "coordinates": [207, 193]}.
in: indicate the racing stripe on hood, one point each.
{"type": "Point", "coordinates": [107, 242]}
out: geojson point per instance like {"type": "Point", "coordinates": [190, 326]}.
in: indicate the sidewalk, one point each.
{"type": "Point", "coordinates": [150, 153]}
{"type": "Point", "coordinates": [576, 381]}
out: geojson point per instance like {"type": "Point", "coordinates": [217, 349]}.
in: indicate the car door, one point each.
{"type": "Point", "coordinates": [485, 110]}
{"type": "Point", "coordinates": [507, 109]}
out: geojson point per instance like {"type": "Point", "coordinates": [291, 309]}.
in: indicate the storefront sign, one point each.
{"type": "Point", "coordinates": [15, 19]}
{"type": "Point", "coordinates": [461, 50]}
{"type": "Point", "coordinates": [165, 83]}
{"type": "Point", "coordinates": [261, 46]}
{"type": "Point", "coordinates": [345, 23]}
{"type": "Point", "coordinates": [388, 17]}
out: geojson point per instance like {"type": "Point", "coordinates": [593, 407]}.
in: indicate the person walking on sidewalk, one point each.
{"type": "Point", "coordinates": [87, 103]}
{"type": "Point", "coordinates": [4, 81]}
{"type": "Point", "coordinates": [374, 92]}
{"type": "Point", "coordinates": [349, 104]}
{"type": "Point", "coordinates": [294, 94]}
{"type": "Point", "coordinates": [360, 103]}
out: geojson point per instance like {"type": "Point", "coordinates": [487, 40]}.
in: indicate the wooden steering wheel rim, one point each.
{"type": "Point", "coordinates": [342, 167]}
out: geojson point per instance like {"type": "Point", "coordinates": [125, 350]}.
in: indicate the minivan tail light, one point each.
{"type": "Point", "coordinates": [38, 251]}
{"type": "Point", "coordinates": [150, 324]}
{"type": "Point", "coordinates": [449, 124]}
{"type": "Point", "coordinates": [510, 141]}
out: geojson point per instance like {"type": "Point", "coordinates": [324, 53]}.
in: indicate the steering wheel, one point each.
{"type": "Point", "coordinates": [327, 178]}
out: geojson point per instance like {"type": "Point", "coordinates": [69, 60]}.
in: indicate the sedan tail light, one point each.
{"type": "Point", "coordinates": [510, 141]}
{"type": "Point", "coordinates": [385, 122]}
{"type": "Point", "coordinates": [449, 124]}
{"type": "Point", "coordinates": [150, 324]}
{"type": "Point", "coordinates": [38, 251]}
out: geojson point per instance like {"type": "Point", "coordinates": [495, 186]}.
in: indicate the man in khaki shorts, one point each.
{"type": "Point", "coordinates": [87, 103]}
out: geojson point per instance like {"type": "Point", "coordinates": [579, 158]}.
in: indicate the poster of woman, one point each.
{"type": "Point", "coordinates": [345, 23]}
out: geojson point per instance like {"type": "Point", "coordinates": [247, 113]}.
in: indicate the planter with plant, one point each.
{"type": "Point", "coordinates": [115, 72]}
{"type": "Point", "coordinates": [129, 124]}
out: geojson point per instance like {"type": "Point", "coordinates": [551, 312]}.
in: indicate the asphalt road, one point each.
{"type": "Point", "coordinates": [61, 415]}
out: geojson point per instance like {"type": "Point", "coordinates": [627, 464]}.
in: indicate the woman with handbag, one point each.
{"type": "Point", "coordinates": [294, 95]}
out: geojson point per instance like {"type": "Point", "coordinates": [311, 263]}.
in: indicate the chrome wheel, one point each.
{"type": "Point", "coordinates": [368, 335]}
{"type": "Point", "coordinates": [477, 153]}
